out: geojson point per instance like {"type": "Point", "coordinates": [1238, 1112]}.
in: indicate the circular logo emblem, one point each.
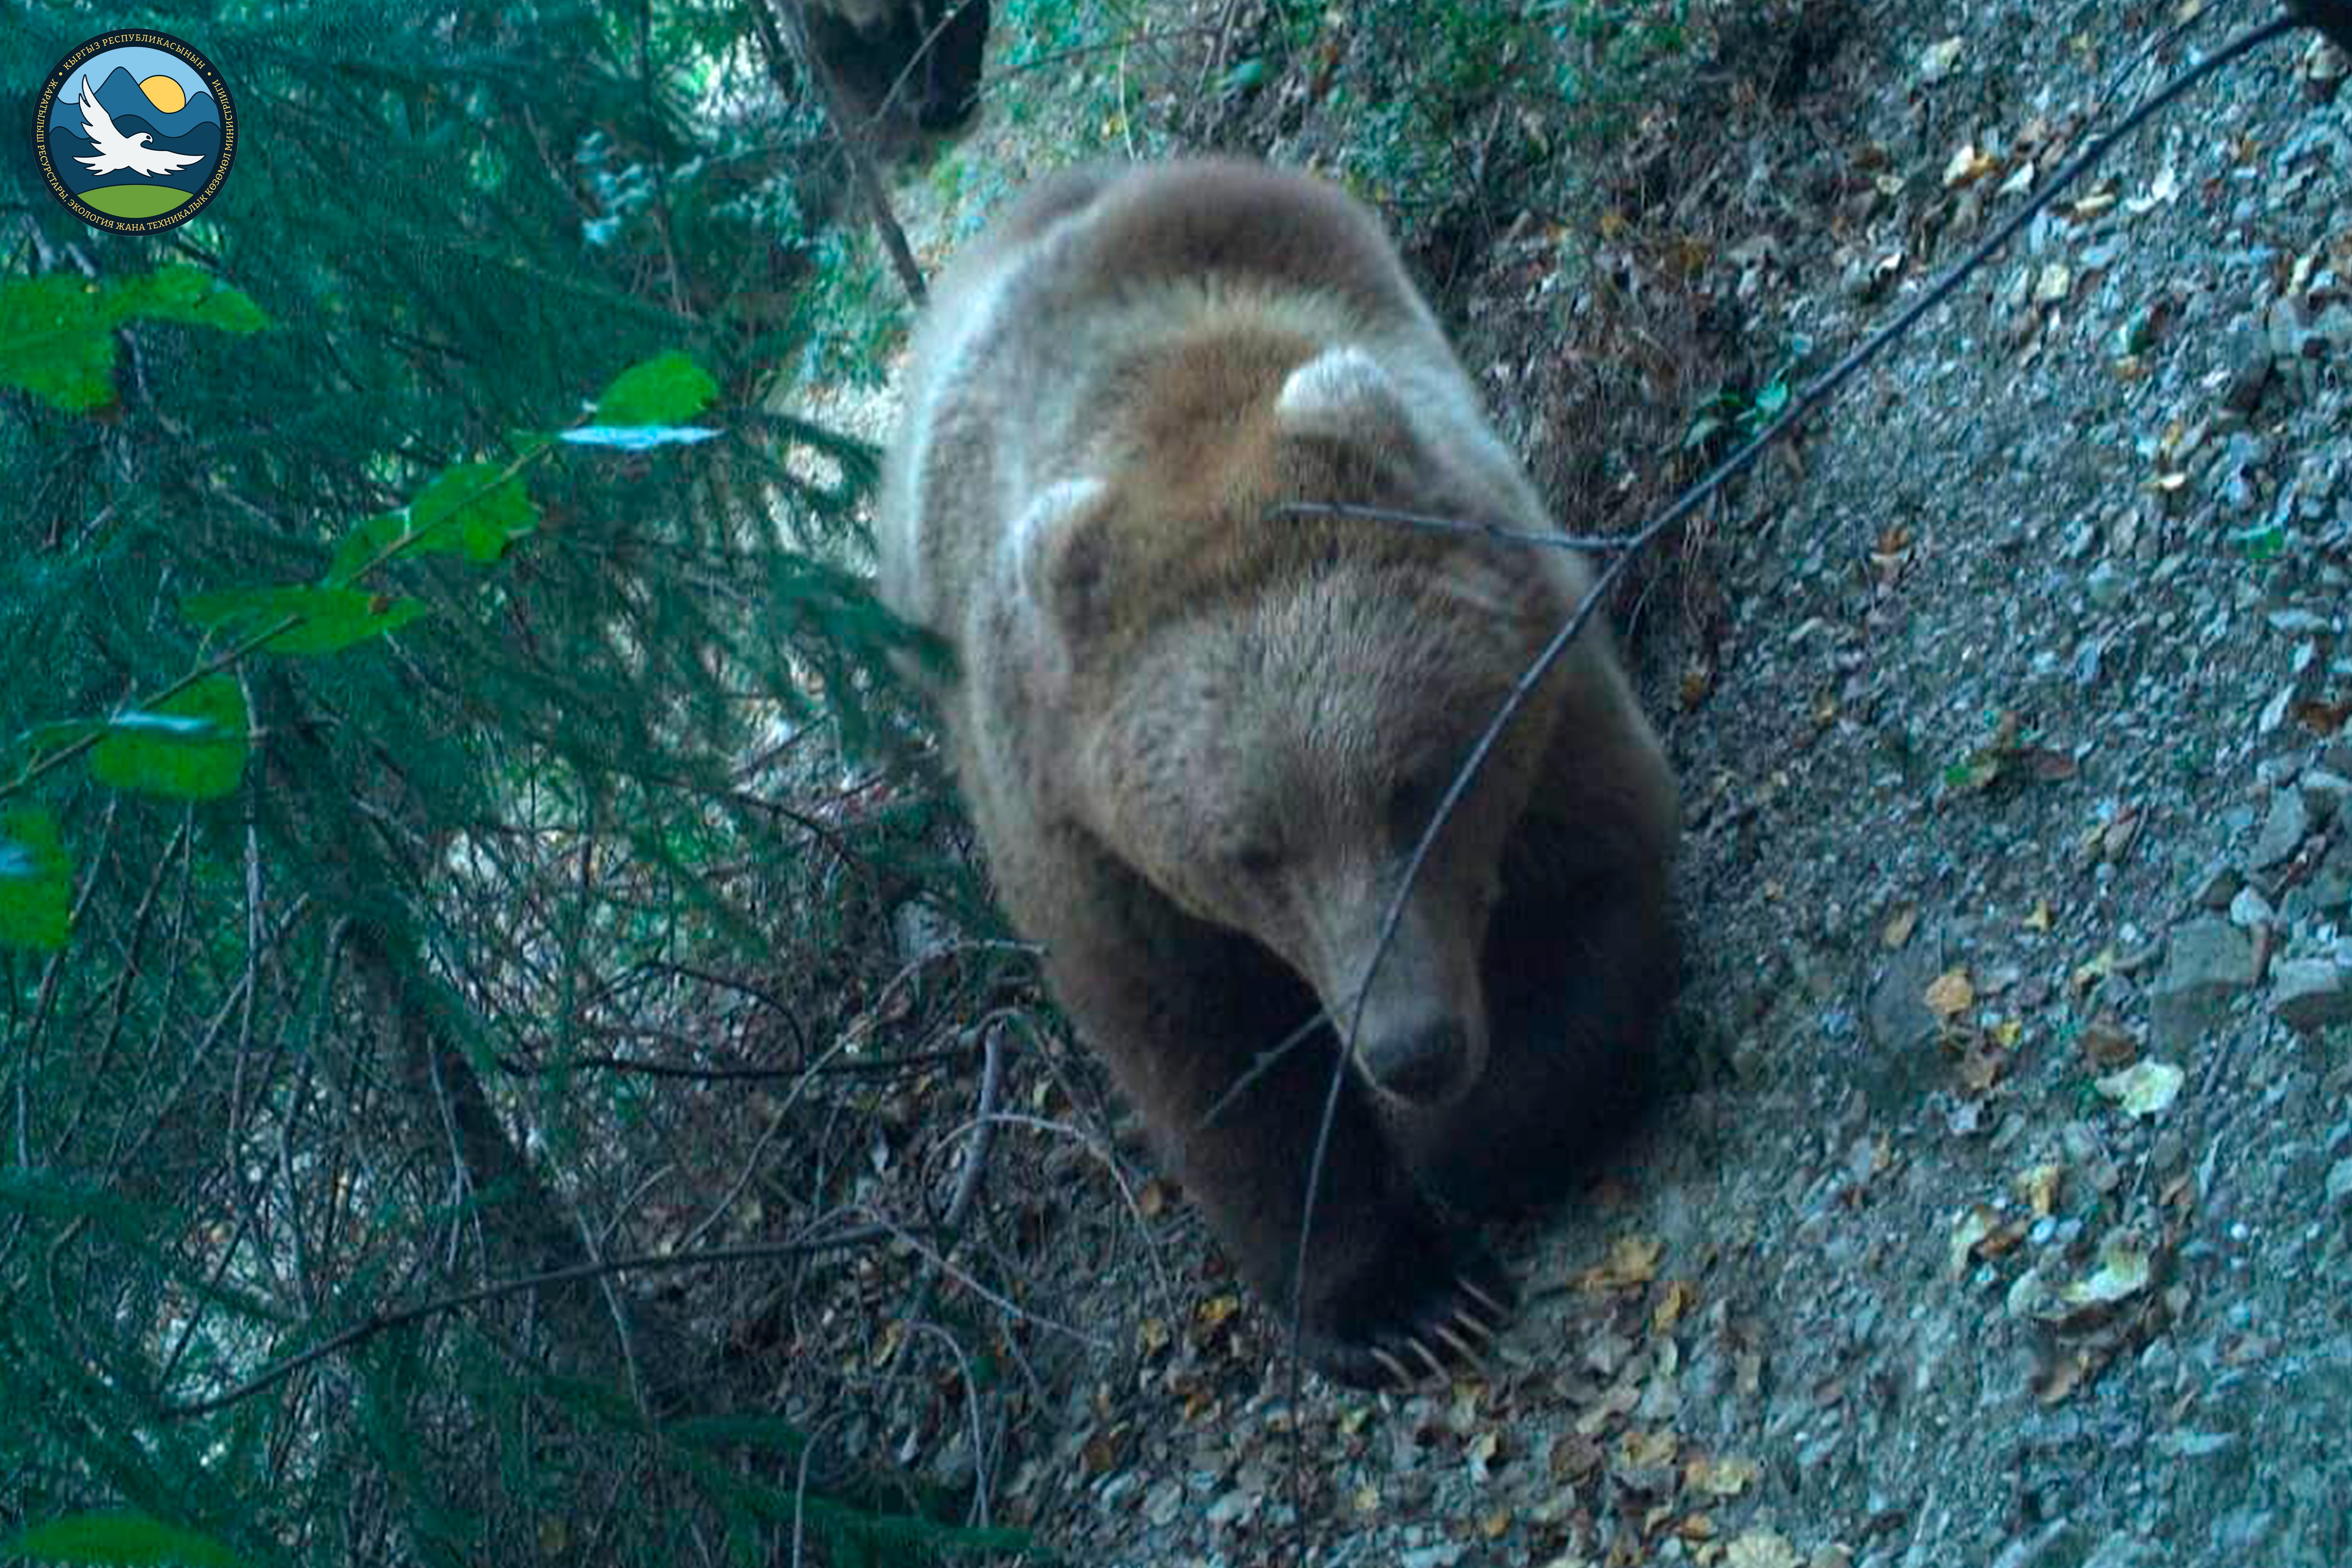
{"type": "Point", "coordinates": [135, 132]}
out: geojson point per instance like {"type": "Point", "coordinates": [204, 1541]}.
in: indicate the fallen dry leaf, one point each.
{"type": "Point", "coordinates": [1966, 165]}
{"type": "Point", "coordinates": [1721, 1476]}
{"type": "Point", "coordinates": [1213, 1313]}
{"type": "Point", "coordinates": [2125, 1268]}
{"type": "Point", "coordinates": [1899, 927]}
{"type": "Point", "coordinates": [1950, 993]}
{"type": "Point", "coordinates": [1762, 1549]}
{"type": "Point", "coordinates": [1980, 1067]}
{"type": "Point", "coordinates": [2061, 1378]}
{"type": "Point", "coordinates": [2143, 1088]}
{"type": "Point", "coordinates": [2165, 188]}
{"type": "Point", "coordinates": [2107, 1044]}
{"type": "Point", "coordinates": [2085, 975]}
{"type": "Point", "coordinates": [1631, 1261]}
{"type": "Point", "coordinates": [1574, 1455]}
{"type": "Point", "coordinates": [2323, 718]}
{"type": "Point", "coordinates": [1645, 1450]}
{"type": "Point", "coordinates": [1673, 1303]}
{"type": "Point", "coordinates": [2038, 1186]}
{"type": "Point", "coordinates": [1974, 1224]}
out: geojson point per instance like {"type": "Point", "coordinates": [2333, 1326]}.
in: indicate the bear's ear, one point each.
{"type": "Point", "coordinates": [1345, 395]}
{"type": "Point", "coordinates": [1056, 550]}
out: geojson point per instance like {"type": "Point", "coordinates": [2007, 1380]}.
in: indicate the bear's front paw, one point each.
{"type": "Point", "coordinates": [1410, 1321]}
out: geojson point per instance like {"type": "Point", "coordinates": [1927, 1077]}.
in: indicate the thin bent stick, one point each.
{"type": "Point", "coordinates": [1815, 393]}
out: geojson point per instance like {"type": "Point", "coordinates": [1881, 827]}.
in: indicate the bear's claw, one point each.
{"type": "Point", "coordinates": [1430, 1338]}
{"type": "Point", "coordinates": [1462, 1348]}
{"type": "Point", "coordinates": [1496, 1310]}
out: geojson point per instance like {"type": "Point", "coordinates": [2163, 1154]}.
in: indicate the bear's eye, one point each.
{"type": "Point", "coordinates": [1256, 857]}
{"type": "Point", "coordinates": [1413, 804]}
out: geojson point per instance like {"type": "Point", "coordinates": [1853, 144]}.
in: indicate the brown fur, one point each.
{"type": "Point", "coordinates": [1199, 740]}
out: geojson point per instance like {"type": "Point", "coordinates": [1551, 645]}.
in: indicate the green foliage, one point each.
{"type": "Point", "coordinates": [473, 509]}
{"type": "Point", "coordinates": [324, 619]}
{"type": "Point", "coordinates": [1429, 81]}
{"type": "Point", "coordinates": [36, 880]}
{"type": "Point", "coordinates": [120, 1538]}
{"type": "Point", "coordinates": [57, 332]}
{"type": "Point", "coordinates": [384, 745]}
{"type": "Point", "coordinates": [669, 389]}
{"type": "Point", "coordinates": [1742, 415]}
{"type": "Point", "coordinates": [190, 745]}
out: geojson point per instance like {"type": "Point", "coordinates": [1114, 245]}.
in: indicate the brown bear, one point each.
{"type": "Point", "coordinates": [922, 56]}
{"type": "Point", "coordinates": [1200, 735]}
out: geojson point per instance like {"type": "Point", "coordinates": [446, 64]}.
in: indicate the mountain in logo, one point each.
{"type": "Point", "coordinates": [194, 131]}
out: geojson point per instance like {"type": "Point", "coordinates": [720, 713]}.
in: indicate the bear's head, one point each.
{"type": "Point", "coordinates": [1260, 710]}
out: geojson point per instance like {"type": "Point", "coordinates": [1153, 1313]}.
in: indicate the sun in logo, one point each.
{"type": "Point", "coordinates": [165, 93]}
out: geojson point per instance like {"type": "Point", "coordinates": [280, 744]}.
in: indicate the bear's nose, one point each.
{"type": "Point", "coordinates": [1423, 1064]}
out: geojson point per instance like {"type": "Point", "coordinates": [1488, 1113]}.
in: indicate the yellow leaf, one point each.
{"type": "Point", "coordinates": [1950, 993]}
{"type": "Point", "coordinates": [2143, 1088]}
{"type": "Point", "coordinates": [2038, 1186]}
{"type": "Point", "coordinates": [1762, 1549]}
{"type": "Point", "coordinates": [1673, 1304]}
{"type": "Point", "coordinates": [1721, 1476]}
{"type": "Point", "coordinates": [1974, 1224]}
{"type": "Point", "coordinates": [1632, 1261]}
{"type": "Point", "coordinates": [2125, 1270]}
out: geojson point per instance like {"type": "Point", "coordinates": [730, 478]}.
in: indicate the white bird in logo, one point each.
{"type": "Point", "coordinates": [116, 151]}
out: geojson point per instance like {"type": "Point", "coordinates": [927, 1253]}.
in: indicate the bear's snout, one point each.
{"type": "Point", "coordinates": [1424, 1063]}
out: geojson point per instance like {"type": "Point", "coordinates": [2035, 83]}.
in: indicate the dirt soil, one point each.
{"type": "Point", "coordinates": [2000, 1211]}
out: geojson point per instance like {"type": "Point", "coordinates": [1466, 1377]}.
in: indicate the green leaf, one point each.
{"type": "Point", "coordinates": [56, 332]}
{"type": "Point", "coordinates": [119, 1538]}
{"type": "Point", "coordinates": [36, 881]}
{"type": "Point", "coordinates": [42, 739]}
{"type": "Point", "coordinates": [332, 618]}
{"type": "Point", "coordinates": [55, 342]}
{"type": "Point", "coordinates": [473, 509]}
{"type": "Point", "coordinates": [668, 389]}
{"type": "Point", "coordinates": [184, 293]}
{"type": "Point", "coordinates": [361, 545]}
{"type": "Point", "coordinates": [191, 746]}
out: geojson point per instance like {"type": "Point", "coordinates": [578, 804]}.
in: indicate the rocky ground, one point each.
{"type": "Point", "coordinates": [2001, 1213]}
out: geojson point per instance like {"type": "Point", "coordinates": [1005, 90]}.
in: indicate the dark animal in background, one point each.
{"type": "Point", "coordinates": [869, 46]}
{"type": "Point", "coordinates": [1200, 739]}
